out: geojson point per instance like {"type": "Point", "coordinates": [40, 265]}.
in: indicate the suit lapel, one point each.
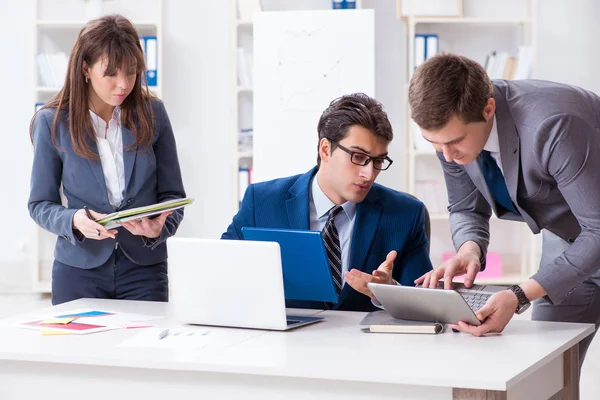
{"type": "Point", "coordinates": [129, 155]}
{"type": "Point", "coordinates": [368, 213]}
{"type": "Point", "coordinates": [509, 145]}
{"type": "Point", "coordinates": [297, 202]}
{"type": "Point", "coordinates": [510, 154]}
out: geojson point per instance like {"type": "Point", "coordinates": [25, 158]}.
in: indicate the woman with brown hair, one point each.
{"type": "Point", "coordinates": [107, 143]}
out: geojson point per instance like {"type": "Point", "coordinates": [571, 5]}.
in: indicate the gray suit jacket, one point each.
{"type": "Point", "coordinates": [549, 137]}
{"type": "Point", "coordinates": [151, 175]}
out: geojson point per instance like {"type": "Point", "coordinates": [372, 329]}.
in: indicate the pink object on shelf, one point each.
{"type": "Point", "coordinates": [493, 268]}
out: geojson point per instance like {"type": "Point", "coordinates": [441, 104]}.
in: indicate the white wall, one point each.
{"type": "Point", "coordinates": [16, 109]}
{"type": "Point", "coordinates": [197, 87]}
{"type": "Point", "coordinates": [568, 33]}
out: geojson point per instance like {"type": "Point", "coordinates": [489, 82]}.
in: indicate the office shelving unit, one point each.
{"type": "Point", "coordinates": [485, 26]}
{"type": "Point", "coordinates": [57, 24]}
{"type": "Point", "coordinates": [241, 99]}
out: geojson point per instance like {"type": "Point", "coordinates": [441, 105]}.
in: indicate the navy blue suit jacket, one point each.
{"type": "Point", "coordinates": [385, 220]}
{"type": "Point", "coordinates": [151, 175]}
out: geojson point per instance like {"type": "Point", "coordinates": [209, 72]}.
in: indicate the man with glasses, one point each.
{"type": "Point", "coordinates": [371, 233]}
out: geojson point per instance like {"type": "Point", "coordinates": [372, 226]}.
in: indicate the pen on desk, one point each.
{"type": "Point", "coordinates": [163, 334]}
{"type": "Point", "coordinates": [89, 215]}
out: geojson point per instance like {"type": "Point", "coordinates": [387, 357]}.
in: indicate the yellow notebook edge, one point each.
{"type": "Point", "coordinates": [140, 210]}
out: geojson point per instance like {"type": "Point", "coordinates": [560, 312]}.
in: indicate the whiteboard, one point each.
{"type": "Point", "coordinates": [302, 61]}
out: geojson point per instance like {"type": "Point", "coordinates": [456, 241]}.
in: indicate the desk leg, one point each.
{"type": "Point", "coordinates": [476, 394]}
{"type": "Point", "coordinates": [570, 391]}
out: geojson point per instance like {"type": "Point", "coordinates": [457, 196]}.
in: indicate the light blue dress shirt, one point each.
{"type": "Point", "coordinates": [344, 221]}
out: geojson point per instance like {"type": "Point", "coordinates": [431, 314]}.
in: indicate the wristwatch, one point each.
{"type": "Point", "coordinates": [524, 302]}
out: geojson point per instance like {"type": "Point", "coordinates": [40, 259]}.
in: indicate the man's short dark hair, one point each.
{"type": "Point", "coordinates": [447, 85]}
{"type": "Point", "coordinates": [349, 110]}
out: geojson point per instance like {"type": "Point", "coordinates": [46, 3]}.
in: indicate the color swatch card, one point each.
{"type": "Point", "coordinates": [72, 327]}
{"type": "Point", "coordinates": [87, 321]}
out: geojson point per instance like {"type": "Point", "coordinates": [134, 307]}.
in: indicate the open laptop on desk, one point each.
{"type": "Point", "coordinates": [234, 283]}
{"type": "Point", "coordinates": [446, 306]}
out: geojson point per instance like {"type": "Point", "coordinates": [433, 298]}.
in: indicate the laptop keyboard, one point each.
{"type": "Point", "coordinates": [292, 321]}
{"type": "Point", "coordinates": [475, 300]}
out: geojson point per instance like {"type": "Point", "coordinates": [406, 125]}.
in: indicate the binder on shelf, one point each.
{"type": "Point", "coordinates": [38, 105]}
{"type": "Point", "coordinates": [522, 68]}
{"type": "Point", "coordinates": [419, 50]}
{"type": "Point", "coordinates": [150, 47]}
{"type": "Point", "coordinates": [343, 4]}
{"type": "Point", "coordinates": [502, 65]}
{"type": "Point", "coordinates": [245, 140]}
{"type": "Point", "coordinates": [431, 46]}
{"type": "Point", "coordinates": [52, 68]}
{"type": "Point", "coordinates": [426, 46]}
{"type": "Point", "coordinates": [242, 69]}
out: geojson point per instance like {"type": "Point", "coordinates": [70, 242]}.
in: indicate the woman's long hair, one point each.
{"type": "Point", "coordinates": [115, 37]}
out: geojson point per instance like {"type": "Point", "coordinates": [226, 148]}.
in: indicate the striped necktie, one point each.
{"type": "Point", "coordinates": [331, 240]}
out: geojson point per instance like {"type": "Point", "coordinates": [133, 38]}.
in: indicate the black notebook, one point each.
{"type": "Point", "coordinates": [382, 322]}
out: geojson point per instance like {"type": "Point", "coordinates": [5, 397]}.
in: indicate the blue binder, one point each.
{"type": "Point", "coordinates": [150, 47]}
{"type": "Point", "coordinates": [306, 272]}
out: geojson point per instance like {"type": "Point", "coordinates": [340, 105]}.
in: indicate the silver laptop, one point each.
{"type": "Point", "coordinates": [446, 306]}
{"type": "Point", "coordinates": [234, 283]}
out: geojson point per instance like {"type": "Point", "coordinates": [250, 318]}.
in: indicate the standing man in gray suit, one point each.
{"type": "Point", "coordinates": [530, 151]}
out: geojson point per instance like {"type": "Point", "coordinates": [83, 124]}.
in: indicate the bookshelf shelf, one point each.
{"type": "Point", "coordinates": [244, 154]}
{"type": "Point", "coordinates": [47, 89]}
{"type": "Point", "coordinates": [242, 94]}
{"type": "Point", "coordinates": [469, 20]}
{"type": "Point", "coordinates": [60, 24]}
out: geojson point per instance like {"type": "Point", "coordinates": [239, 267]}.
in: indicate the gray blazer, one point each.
{"type": "Point", "coordinates": [549, 137]}
{"type": "Point", "coordinates": [151, 175]}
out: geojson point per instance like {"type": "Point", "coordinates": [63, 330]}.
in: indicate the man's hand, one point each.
{"type": "Point", "coordinates": [358, 280]}
{"type": "Point", "coordinates": [466, 261]}
{"type": "Point", "coordinates": [90, 228]}
{"type": "Point", "coordinates": [496, 313]}
{"type": "Point", "coordinates": [147, 227]}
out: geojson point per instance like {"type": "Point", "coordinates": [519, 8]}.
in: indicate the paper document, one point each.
{"type": "Point", "coordinates": [110, 221]}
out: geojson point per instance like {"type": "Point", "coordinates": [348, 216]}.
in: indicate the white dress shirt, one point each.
{"type": "Point", "coordinates": [344, 221]}
{"type": "Point", "coordinates": [110, 148]}
{"type": "Point", "coordinates": [493, 145]}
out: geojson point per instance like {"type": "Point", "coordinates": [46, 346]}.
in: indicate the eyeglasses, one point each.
{"type": "Point", "coordinates": [360, 158]}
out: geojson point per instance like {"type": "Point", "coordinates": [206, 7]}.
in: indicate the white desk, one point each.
{"type": "Point", "coordinates": [329, 360]}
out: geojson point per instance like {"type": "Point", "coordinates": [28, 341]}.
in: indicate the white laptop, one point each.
{"type": "Point", "coordinates": [435, 305]}
{"type": "Point", "coordinates": [234, 283]}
